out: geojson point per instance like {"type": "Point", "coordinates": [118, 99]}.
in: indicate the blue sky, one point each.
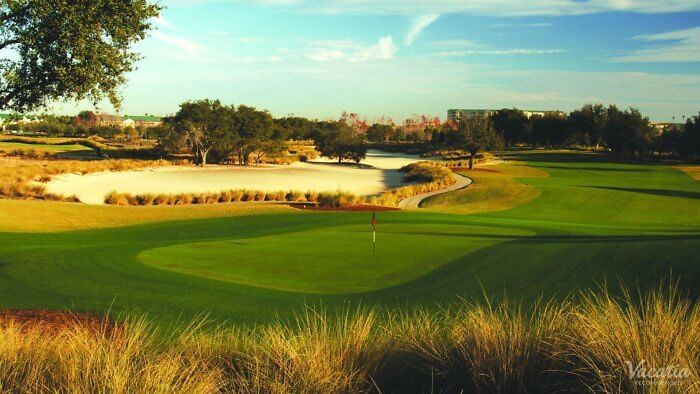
{"type": "Point", "coordinates": [317, 58]}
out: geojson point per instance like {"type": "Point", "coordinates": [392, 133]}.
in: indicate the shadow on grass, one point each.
{"type": "Point", "coordinates": [601, 169]}
{"type": "Point", "coordinates": [654, 192]}
{"type": "Point", "coordinates": [551, 266]}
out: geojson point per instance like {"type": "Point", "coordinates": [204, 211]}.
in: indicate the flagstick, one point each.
{"type": "Point", "coordinates": [374, 234]}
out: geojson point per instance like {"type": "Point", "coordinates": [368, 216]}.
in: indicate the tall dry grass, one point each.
{"type": "Point", "coordinates": [473, 347]}
{"type": "Point", "coordinates": [23, 178]}
{"type": "Point", "coordinates": [662, 330]}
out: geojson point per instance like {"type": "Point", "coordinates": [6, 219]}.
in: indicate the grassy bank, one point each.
{"type": "Point", "coordinates": [482, 347]}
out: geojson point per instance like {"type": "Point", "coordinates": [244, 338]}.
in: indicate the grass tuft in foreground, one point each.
{"type": "Point", "coordinates": [564, 345]}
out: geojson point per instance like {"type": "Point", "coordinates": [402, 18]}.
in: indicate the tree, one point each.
{"type": "Point", "coordinates": [296, 128]}
{"type": "Point", "coordinates": [85, 120]}
{"type": "Point", "coordinates": [399, 134]}
{"type": "Point", "coordinates": [77, 49]}
{"type": "Point", "coordinates": [379, 132]}
{"type": "Point", "coordinates": [628, 132]}
{"type": "Point", "coordinates": [548, 130]}
{"type": "Point", "coordinates": [588, 121]}
{"type": "Point", "coordinates": [511, 124]}
{"type": "Point", "coordinates": [200, 126]}
{"type": "Point", "coordinates": [250, 130]}
{"type": "Point", "coordinates": [670, 140]}
{"type": "Point", "coordinates": [271, 147]}
{"type": "Point", "coordinates": [475, 134]}
{"type": "Point", "coordinates": [336, 140]}
{"type": "Point", "coordinates": [690, 139]}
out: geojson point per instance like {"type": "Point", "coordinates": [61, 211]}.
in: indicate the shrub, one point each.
{"type": "Point", "coordinates": [162, 199]}
{"type": "Point", "coordinates": [225, 196]}
{"type": "Point", "coordinates": [115, 198]}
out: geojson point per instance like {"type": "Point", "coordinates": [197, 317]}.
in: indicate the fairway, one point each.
{"type": "Point", "coordinates": [542, 225]}
{"type": "Point", "coordinates": [10, 146]}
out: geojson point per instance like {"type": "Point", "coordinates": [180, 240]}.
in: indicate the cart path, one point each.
{"type": "Point", "coordinates": [415, 201]}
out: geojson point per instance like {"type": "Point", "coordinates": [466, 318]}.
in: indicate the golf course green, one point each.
{"type": "Point", "coordinates": [51, 148]}
{"type": "Point", "coordinates": [543, 224]}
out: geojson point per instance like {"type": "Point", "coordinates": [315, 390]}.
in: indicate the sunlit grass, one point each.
{"type": "Point", "coordinates": [494, 188]}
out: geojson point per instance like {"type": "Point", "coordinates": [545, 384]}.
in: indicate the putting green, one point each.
{"type": "Point", "coordinates": [336, 260]}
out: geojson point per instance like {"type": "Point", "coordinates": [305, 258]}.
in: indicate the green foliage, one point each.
{"type": "Point", "coordinates": [475, 134]}
{"type": "Point", "coordinates": [207, 126]}
{"type": "Point", "coordinates": [68, 49]}
{"type": "Point", "coordinates": [689, 141]}
{"type": "Point", "coordinates": [628, 132]}
{"type": "Point", "coordinates": [512, 125]}
{"type": "Point", "coordinates": [296, 128]}
{"type": "Point", "coordinates": [586, 125]}
{"type": "Point", "coordinates": [548, 130]}
{"type": "Point", "coordinates": [336, 140]}
{"type": "Point", "coordinates": [379, 132]}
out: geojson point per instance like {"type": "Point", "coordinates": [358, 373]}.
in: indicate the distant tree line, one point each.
{"type": "Point", "coordinates": [85, 124]}
{"type": "Point", "coordinates": [211, 131]}
{"type": "Point", "coordinates": [625, 132]}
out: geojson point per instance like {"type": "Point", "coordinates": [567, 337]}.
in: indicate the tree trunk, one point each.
{"type": "Point", "coordinates": [471, 160]}
{"type": "Point", "coordinates": [205, 152]}
{"type": "Point", "coordinates": [340, 159]}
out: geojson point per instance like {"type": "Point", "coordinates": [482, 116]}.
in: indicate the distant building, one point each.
{"type": "Point", "coordinates": [530, 113]}
{"type": "Point", "coordinates": [128, 121]}
{"type": "Point", "coordinates": [456, 114]}
{"type": "Point", "coordinates": [145, 120]}
{"type": "Point", "coordinates": [109, 120]}
{"type": "Point", "coordinates": [660, 127]}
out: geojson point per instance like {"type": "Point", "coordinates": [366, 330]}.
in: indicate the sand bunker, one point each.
{"type": "Point", "coordinates": [321, 175]}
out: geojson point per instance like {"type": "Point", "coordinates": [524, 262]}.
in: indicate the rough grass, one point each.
{"type": "Point", "coordinates": [493, 189]}
{"type": "Point", "coordinates": [693, 171]}
{"type": "Point", "coordinates": [554, 346]}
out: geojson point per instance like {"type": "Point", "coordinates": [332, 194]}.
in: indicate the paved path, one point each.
{"type": "Point", "coordinates": [462, 182]}
{"type": "Point", "coordinates": [415, 201]}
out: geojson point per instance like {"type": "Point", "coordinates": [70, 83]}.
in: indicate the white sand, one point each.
{"type": "Point", "coordinates": [321, 175]}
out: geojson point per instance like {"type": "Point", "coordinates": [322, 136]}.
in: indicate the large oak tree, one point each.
{"type": "Point", "coordinates": [68, 49]}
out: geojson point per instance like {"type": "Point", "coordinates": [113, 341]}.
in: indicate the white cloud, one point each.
{"type": "Point", "coordinates": [384, 49]}
{"type": "Point", "coordinates": [186, 49]}
{"type": "Point", "coordinates": [478, 7]}
{"type": "Point", "coordinates": [457, 43]}
{"type": "Point", "coordinates": [162, 22]}
{"type": "Point", "coordinates": [324, 54]}
{"type": "Point", "coordinates": [519, 25]}
{"type": "Point", "coordinates": [419, 24]}
{"type": "Point", "coordinates": [460, 47]}
{"type": "Point", "coordinates": [674, 46]}
{"type": "Point", "coordinates": [351, 51]}
{"type": "Point", "coordinates": [501, 52]}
